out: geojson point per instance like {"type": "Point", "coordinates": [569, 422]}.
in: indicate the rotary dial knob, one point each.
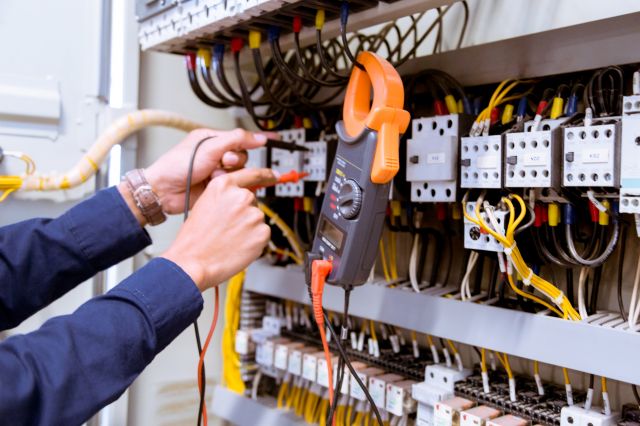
{"type": "Point", "coordinates": [349, 199]}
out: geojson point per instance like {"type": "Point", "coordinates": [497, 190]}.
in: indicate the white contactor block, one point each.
{"type": "Point", "coordinates": [592, 154]}
{"type": "Point", "coordinates": [481, 162]}
{"type": "Point", "coordinates": [534, 157]}
{"type": "Point", "coordinates": [630, 147]}
{"type": "Point", "coordinates": [295, 360]}
{"type": "Point", "coordinates": [315, 161]}
{"type": "Point", "coordinates": [378, 388]}
{"type": "Point", "coordinates": [432, 157]}
{"type": "Point", "coordinates": [438, 386]}
{"type": "Point", "coordinates": [364, 375]}
{"type": "Point", "coordinates": [478, 416]}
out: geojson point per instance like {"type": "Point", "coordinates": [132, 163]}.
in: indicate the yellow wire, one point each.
{"type": "Point", "coordinates": [383, 258]}
{"type": "Point", "coordinates": [324, 408]}
{"type": "Point", "coordinates": [286, 230]}
{"type": "Point", "coordinates": [372, 330]}
{"type": "Point", "coordinates": [454, 351]}
{"type": "Point", "coordinates": [231, 374]}
{"type": "Point", "coordinates": [349, 414]}
{"type": "Point", "coordinates": [393, 262]}
{"type": "Point", "coordinates": [504, 360]}
{"type": "Point", "coordinates": [358, 419]}
{"type": "Point", "coordinates": [536, 367]}
{"type": "Point", "coordinates": [532, 297]}
{"type": "Point", "coordinates": [483, 360]}
{"type": "Point", "coordinates": [430, 340]}
{"type": "Point", "coordinates": [565, 373]}
{"type": "Point", "coordinates": [603, 383]}
{"type": "Point", "coordinates": [281, 393]}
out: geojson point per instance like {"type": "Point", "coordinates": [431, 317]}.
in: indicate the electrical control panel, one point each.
{"type": "Point", "coordinates": [475, 239]}
{"type": "Point", "coordinates": [284, 161]}
{"type": "Point", "coordinates": [432, 157]}
{"type": "Point", "coordinates": [533, 158]}
{"type": "Point", "coordinates": [591, 154]}
{"type": "Point", "coordinates": [481, 160]}
{"type": "Point", "coordinates": [630, 148]}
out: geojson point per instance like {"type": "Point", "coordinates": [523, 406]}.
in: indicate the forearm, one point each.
{"type": "Point", "coordinates": [42, 259]}
{"type": "Point", "coordinates": [85, 360]}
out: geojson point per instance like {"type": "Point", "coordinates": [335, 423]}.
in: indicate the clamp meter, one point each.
{"type": "Point", "coordinates": [367, 159]}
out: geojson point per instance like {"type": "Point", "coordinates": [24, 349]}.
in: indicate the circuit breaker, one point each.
{"type": "Point", "coordinates": [475, 239]}
{"type": "Point", "coordinates": [533, 158]}
{"type": "Point", "coordinates": [592, 155]}
{"type": "Point", "coordinates": [481, 162]}
{"type": "Point", "coordinates": [630, 147]}
{"type": "Point", "coordinates": [432, 157]}
{"type": "Point", "coordinates": [284, 161]}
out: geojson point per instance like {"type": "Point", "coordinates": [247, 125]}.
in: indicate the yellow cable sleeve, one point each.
{"type": "Point", "coordinates": [565, 374]}
{"type": "Point", "coordinates": [372, 330]}
{"type": "Point", "coordinates": [393, 259]}
{"type": "Point", "coordinates": [117, 132]}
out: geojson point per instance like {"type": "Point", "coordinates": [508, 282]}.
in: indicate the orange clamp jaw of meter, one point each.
{"type": "Point", "coordinates": [384, 114]}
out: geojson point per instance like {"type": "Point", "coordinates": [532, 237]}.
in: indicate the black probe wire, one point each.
{"type": "Point", "coordinates": [344, 18]}
{"type": "Point", "coordinates": [343, 332]}
{"type": "Point", "coordinates": [353, 372]}
{"type": "Point", "coordinates": [218, 68]}
{"type": "Point", "coordinates": [187, 205]}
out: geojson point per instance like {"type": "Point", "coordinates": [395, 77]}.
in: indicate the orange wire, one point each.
{"type": "Point", "coordinates": [204, 350]}
{"type": "Point", "coordinates": [327, 357]}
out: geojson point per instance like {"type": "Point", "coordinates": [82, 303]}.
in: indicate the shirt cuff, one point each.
{"type": "Point", "coordinates": [168, 296]}
{"type": "Point", "coordinates": [105, 229]}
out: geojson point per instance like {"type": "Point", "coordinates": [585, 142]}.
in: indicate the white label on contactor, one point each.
{"type": "Point", "coordinates": [595, 156]}
{"type": "Point", "coordinates": [488, 161]}
{"type": "Point", "coordinates": [536, 159]}
{"type": "Point", "coordinates": [436, 158]}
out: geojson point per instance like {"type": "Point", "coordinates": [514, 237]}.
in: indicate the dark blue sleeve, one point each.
{"type": "Point", "coordinates": [42, 259]}
{"type": "Point", "coordinates": [73, 365]}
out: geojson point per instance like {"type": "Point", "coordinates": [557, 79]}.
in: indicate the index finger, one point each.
{"type": "Point", "coordinates": [240, 139]}
{"type": "Point", "coordinates": [251, 178]}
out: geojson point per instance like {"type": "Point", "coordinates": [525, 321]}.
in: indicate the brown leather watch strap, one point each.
{"type": "Point", "coordinates": [146, 200]}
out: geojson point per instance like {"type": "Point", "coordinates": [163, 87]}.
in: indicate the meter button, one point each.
{"type": "Point", "coordinates": [349, 199]}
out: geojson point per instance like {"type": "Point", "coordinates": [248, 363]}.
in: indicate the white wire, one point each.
{"type": "Point", "coordinates": [256, 383]}
{"type": "Point", "coordinates": [413, 264]}
{"type": "Point", "coordinates": [465, 289]}
{"type": "Point", "coordinates": [634, 307]}
{"type": "Point", "coordinates": [582, 305]}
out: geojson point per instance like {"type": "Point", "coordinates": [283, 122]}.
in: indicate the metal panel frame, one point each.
{"type": "Point", "coordinates": [589, 348]}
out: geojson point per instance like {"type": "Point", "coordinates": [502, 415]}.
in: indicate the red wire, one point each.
{"type": "Point", "coordinates": [205, 347]}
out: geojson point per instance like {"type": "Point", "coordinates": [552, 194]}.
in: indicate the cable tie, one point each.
{"type": "Point", "coordinates": [510, 249]}
{"type": "Point", "coordinates": [558, 300]}
{"type": "Point", "coordinates": [527, 280]}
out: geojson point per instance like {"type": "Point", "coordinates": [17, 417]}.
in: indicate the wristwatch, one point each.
{"type": "Point", "coordinates": [146, 200]}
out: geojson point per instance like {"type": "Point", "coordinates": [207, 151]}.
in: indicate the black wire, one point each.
{"type": "Point", "coordinates": [345, 316]}
{"type": "Point", "coordinates": [187, 205]}
{"type": "Point", "coordinates": [570, 289]}
{"type": "Point", "coordinates": [345, 358]}
{"type": "Point", "coordinates": [593, 302]}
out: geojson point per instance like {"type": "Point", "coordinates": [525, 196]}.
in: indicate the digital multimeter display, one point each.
{"type": "Point", "coordinates": [331, 233]}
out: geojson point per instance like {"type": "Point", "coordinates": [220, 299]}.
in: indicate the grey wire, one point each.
{"type": "Point", "coordinates": [532, 218]}
{"type": "Point", "coordinates": [611, 246]}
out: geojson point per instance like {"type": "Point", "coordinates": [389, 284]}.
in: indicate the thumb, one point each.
{"type": "Point", "coordinates": [251, 178]}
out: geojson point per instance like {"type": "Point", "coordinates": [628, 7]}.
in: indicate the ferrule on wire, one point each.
{"type": "Point", "coordinates": [435, 354]}
{"type": "Point", "coordinates": [512, 389]}
{"type": "Point", "coordinates": [255, 39]}
{"type": "Point", "coordinates": [588, 117]}
{"type": "Point", "coordinates": [557, 107]}
{"type": "Point", "coordinates": [539, 384]}
{"type": "Point", "coordinates": [569, 391]}
{"type": "Point", "coordinates": [485, 382]}
{"type": "Point", "coordinates": [509, 250]}
{"type": "Point", "coordinates": [451, 103]}
{"type": "Point", "coordinates": [589, 399]}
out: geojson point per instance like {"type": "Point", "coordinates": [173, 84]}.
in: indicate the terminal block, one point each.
{"type": "Point", "coordinates": [257, 159]}
{"type": "Point", "coordinates": [533, 158]}
{"type": "Point", "coordinates": [284, 161]}
{"type": "Point", "coordinates": [432, 157]}
{"type": "Point", "coordinates": [481, 162]}
{"type": "Point", "coordinates": [630, 147]}
{"type": "Point", "coordinates": [475, 239]}
{"type": "Point", "coordinates": [438, 386]}
{"type": "Point", "coordinates": [592, 154]}
{"type": "Point", "coordinates": [575, 415]}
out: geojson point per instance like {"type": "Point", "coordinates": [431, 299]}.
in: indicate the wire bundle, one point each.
{"type": "Point", "coordinates": [507, 239]}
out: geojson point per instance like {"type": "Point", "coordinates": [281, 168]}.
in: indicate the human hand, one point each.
{"type": "Point", "coordinates": [225, 231]}
{"type": "Point", "coordinates": [225, 151]}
